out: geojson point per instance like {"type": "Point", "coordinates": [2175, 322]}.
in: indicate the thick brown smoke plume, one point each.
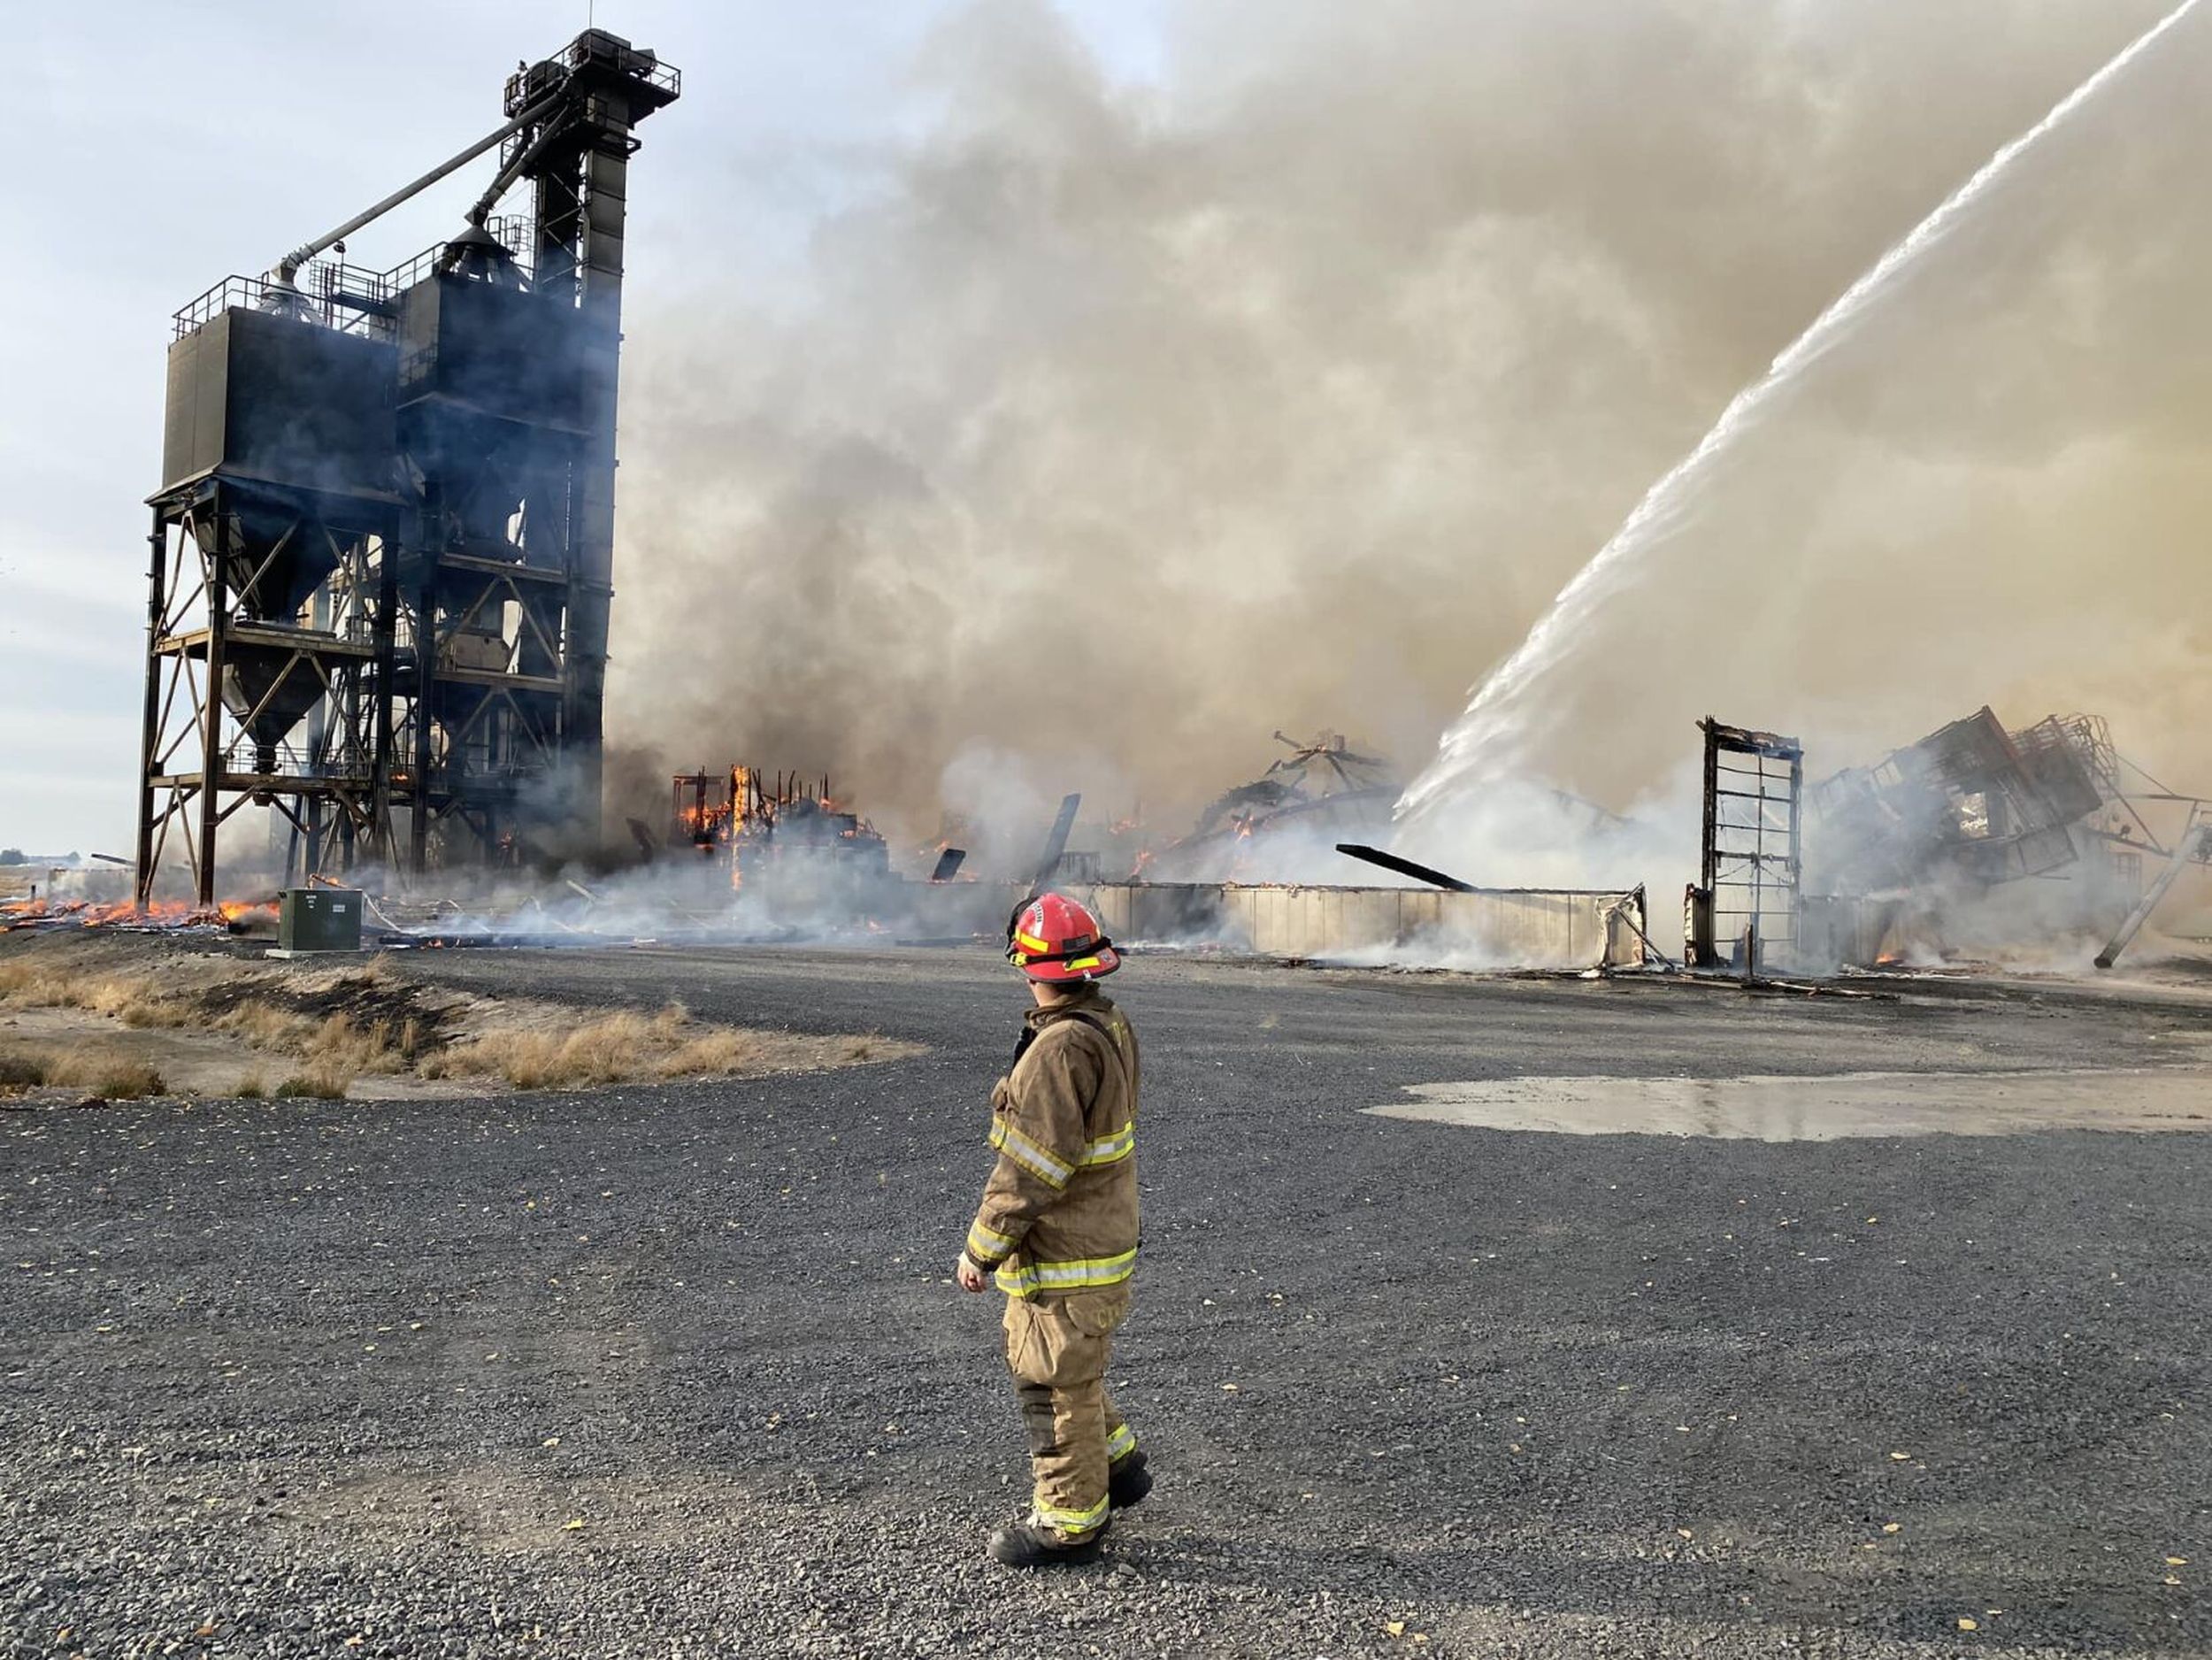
{"type": "Point", "coordinates": [1125, 425]}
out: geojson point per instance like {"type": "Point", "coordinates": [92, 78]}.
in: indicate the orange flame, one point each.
{"type": "Point", "coordinates": [160, 914]}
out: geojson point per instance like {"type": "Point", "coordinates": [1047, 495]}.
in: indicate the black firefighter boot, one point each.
{"type": "Point", "coordinates": [1127, 1482]}
{"type": "Point", "coordinates": [1030, 1544]}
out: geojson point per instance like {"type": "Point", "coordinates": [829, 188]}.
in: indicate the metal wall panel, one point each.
{"type": "Point", "coordinates": [280, 401]}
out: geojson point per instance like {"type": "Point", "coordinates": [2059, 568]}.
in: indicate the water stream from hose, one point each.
{"type": "Point", "coordinates": [1487, 742]}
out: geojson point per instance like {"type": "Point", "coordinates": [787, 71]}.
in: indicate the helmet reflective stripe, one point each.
{"type": "Point", "coordinates": [1053, 938]}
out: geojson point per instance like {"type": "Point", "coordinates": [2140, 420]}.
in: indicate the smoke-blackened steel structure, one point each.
{"type": "Point", "coordinates": [1751, 860]}
{"type": "Point", "coordinates": [383, 549]}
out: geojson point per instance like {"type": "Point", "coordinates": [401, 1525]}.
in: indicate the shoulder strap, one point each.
{"type": "Point", "coordinates": [1113, 1043]}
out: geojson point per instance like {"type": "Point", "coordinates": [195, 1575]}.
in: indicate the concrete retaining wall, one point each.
{"type": "Point", "coordinates": [1492, 928]}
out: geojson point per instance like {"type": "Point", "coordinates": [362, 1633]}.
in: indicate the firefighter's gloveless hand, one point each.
{"type": "Point", "coordinates": [971, 1277]}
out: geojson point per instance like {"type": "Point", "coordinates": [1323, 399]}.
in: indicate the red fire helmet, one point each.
{"type": "Point", "coordinates": [1054, 938]}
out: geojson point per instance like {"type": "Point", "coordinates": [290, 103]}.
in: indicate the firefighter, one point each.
{"type": "Point", "coordinates": [1057, 1229]}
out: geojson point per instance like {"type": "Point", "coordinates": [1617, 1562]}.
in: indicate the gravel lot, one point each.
{"type": "Point", "coordinates": [679, 1369]}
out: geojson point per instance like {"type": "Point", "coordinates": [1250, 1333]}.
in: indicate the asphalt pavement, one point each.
{"type": "Point", "coordinates": [680, 1370]}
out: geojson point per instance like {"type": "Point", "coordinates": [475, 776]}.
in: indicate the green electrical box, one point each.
{"type": "Point", "coordinates": [318, 919]}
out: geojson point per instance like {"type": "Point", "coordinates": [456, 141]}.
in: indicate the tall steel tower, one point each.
{"type": "Point", "coordinates": [383, 549]}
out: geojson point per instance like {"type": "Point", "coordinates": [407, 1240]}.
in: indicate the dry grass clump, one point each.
{"type": "Point", "coordinates": [127, 1080]}
{"type": "Point", "coordinates": [106, 1076]}
{"type": "Point", "coordinates": [716, 1052]}
{"type": "Point", "coordinates": [326, 1031]}
{"type": "Point", "coordinates": [607, 1050]}
{"type": "Point", "coordinates": [337, 1048]}
{"type": "Point", "coordinates": [114, 995]}
{"type": "Point", "coordinates": [134, 999]}
{"type": "Point", "coordinates": [264, 1026]}
{"type": "Point", "coordinates": [315, 1084]}
{"type": "Point", "coordinates": [601, 1051]}
{"type": "Point", "coordinates": [23, 982]}
{"type": "Point", "coordinates": [338, 1045]}
{"type": "Point", "coordinates": [109, 1079]}
{"type": "Point", "coordinates": [140, 1002]}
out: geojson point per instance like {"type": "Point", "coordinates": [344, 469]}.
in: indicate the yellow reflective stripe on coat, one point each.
{"type": "Point", "coordinates": [986, 1246]}
{"type": "Point", "coordinates": [1073, 1521]}
{"type": "Point", "coordinates": [1110, 1150]}
{"type": "Point", "coordinates": [1086, 1274]}
{"type": "Point", "coordinates": [1040, 1161]}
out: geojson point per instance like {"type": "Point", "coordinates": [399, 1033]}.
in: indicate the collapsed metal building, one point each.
{"type": "Point", "coordinates": [1976, 830]}
{"type": "Point", "coordinates": [1968, 804]}
{"type": "Point", "coordinates": [383, 550]}
{"type": "Point", "coordinates": [1911, 845]}
{"type": "Point", "coordinates": [1323, 787]}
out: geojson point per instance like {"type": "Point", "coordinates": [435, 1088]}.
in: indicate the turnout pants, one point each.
{"type": "Point", "coordinates": [1058, 1347]}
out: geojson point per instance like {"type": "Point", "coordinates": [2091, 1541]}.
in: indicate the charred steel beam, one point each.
{"type": "Point", "coordinates": [1055, 844]}
{"type": "Point", "coordinates": [212, 767]}
{"type": "Point", "coordinates": [1406, 867]}
{"type": "Point", "coordinates": [2196, 844]}
{"type": "Point", "coordinates": [149, 733]}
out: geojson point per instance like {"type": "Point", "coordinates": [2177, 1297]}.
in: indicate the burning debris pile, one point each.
{"type": "Point", "coordinates": [754, 826]}
{"type": "Point", "coordinates": [43, 916]}
{"type": "Point", "coordinates": [1292, 815]}
{"type": "Point", "coordinates": [762, 854]}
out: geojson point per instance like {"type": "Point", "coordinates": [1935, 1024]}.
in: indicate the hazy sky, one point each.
{"type": "Point", "coordinates": [174, 142]}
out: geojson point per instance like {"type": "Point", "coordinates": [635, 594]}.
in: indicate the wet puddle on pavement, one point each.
{"type": "Point", "coordinates": [1820, 1108]}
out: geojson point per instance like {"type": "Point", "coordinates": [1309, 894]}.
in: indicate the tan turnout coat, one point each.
{"type": "Point", "coordinates": [1059, 1213]}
